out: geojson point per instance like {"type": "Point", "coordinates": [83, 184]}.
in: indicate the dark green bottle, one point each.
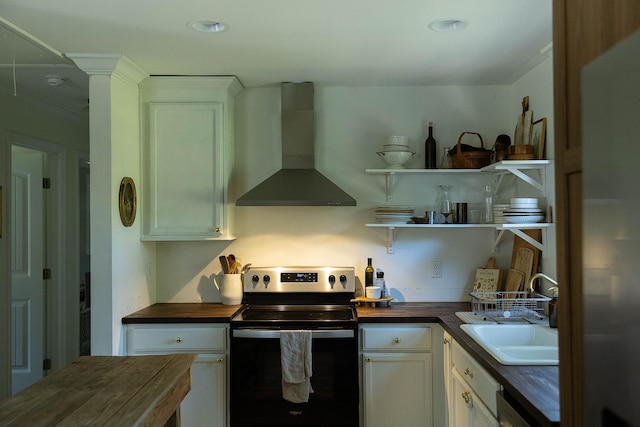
{"type": "Point", "coordinates": [368, 273]}
{"type": "Point", "coordinates": [430, 150]}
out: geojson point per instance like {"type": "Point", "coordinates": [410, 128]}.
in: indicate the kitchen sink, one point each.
{"type": "Point", "coordinates": [522, 344]}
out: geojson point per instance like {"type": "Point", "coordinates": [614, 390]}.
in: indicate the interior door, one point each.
{"type": "Point", "coordinates": [27, 263]}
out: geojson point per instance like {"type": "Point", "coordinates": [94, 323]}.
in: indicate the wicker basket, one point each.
{"type": "Point", "coordinates": [470, 159]}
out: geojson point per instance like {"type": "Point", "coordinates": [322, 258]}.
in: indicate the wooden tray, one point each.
{"type": "Point", "coordinates": [372, 301]}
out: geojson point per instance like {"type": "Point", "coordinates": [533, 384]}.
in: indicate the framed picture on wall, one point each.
{"type": "Point", "coordinates": [127, 201]}
{"type": "Point", "coordinates": [537, 138]}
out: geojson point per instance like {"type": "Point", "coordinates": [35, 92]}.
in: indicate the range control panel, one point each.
{"type": "Point", "coordinates": [300, 279]}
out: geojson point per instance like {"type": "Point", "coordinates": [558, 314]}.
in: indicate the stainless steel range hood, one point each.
{"type": "Point", "coordinates": [298, 183]}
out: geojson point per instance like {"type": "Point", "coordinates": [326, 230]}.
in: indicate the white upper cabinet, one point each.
{"type": "Point", "coordinates": [187, 156]}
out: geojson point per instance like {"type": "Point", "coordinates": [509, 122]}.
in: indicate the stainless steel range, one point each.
{"type": "Point", "coordinates": [309, 301]}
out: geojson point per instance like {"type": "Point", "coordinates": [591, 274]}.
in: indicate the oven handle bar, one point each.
{"type": "Point", "coordinates": [272, 333]}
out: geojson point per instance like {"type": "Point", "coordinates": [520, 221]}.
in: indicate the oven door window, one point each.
{"type": "Point", "coordinates": [256, 390]}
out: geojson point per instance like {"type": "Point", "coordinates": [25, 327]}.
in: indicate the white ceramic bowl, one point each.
{"type": "Point", "coordinates": [523, 219]}
{"type": "Point", "coordinates": [524, 202]}
{"type": "Point", "coordinates": [395, 147]}
{"type": "Point", "coordinates": [397, 140]}
{"type": "Point", "coordinates": [524, 206]}
{"type": "Point", "coordinates": [373, 291]}
{"type": "Point", "coordinates": [396, 159]}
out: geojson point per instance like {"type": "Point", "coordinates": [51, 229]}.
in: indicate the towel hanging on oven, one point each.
{"type": "Point", "coordinates": [295, 358]}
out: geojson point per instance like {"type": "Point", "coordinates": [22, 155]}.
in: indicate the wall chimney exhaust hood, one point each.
{"type": "Point", "coordinates": [298, 183]}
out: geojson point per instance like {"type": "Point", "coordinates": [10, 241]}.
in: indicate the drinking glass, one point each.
{"type": "Point", "coordinates": [443, 201]}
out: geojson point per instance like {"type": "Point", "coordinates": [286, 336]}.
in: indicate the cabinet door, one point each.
{"type": "Point", "coordinates": [398, 390]}
{"type": "Point", "coordinates": [205, 404]}
{"type": "Point", "coordinates": [467, 410]}
{"type": "Point", "coordinates": [460, 409]}
{"type": "Point", "coordinates": [448, 365]}
{"type": "Point", "coordinates": [184, 195]}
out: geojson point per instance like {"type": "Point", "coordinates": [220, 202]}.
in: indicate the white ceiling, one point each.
{"type": "Point", "coordinates": [329, 42]}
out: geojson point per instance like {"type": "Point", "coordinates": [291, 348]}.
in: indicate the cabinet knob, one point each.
{"type": "Point", "coordinates": [368, 359]}
{"type": "Point", "coordinates": [466, 396]}
{"type": "Point", "coordinates": [446, 340]}
{"type": "Point", "coordinates": [178, 340]}
{"type": "Point", "coordinates": [217, 229]}
{"type": "Point", "coordinates": [220, 360]}
{"type": "Point", "coordinates": [469, 372]}
{"type": "Point", "coordinates": [397, 340]}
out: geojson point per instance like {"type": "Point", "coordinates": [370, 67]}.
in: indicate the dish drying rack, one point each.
{"type": "Point", "coordinates": [504, 307]}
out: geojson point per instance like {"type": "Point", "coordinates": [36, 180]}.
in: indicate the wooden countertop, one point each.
{"type": "Point", "coordinates": [105, 391]}
{"type": "Point", "coordinates": [408, 312]}
{"type": "Point", "coordinates": [183, 313]}
{"type": "Point", "coordinates": [534, 388]}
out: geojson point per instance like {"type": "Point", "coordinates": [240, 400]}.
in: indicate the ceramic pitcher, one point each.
{"type": "Point", "coordinates": [230, 288]}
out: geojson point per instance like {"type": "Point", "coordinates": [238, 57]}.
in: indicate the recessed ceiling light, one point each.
{"type": "Point", "coordinates": [54, 80]}
{"type": "Point", "coordinates": [207, 26]}
{"type": "Point", "coordinates": [448, 25]}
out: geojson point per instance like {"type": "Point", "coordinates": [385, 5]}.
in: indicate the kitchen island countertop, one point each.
{"type": "Point", "coordinates": [534, 388]}
{"type": "Point", "coordinates": [105, 391]}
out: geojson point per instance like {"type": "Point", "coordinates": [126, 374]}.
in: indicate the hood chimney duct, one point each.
{"type": "Point", "coordinates": [298, 183]}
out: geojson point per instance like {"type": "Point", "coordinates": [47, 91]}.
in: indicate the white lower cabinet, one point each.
{"type": "Point", "coordinates": [471, 391]}
{"type": "Point", "coordinates": [206, 402]}
{"type": "Point", "coordinates": [398, 380]}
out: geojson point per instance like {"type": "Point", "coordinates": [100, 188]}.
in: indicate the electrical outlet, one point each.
{"type": "Point", "coordinates": [436, 269]}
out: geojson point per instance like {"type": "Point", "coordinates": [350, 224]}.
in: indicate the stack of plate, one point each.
{"type": "Point", "coordinates": [523, 210]}
{"type": "Point", "coordinates": [498, 212]}
{"type": "Point", "coordinates": [394, 214]}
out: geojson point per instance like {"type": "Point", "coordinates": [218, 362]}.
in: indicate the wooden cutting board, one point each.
{"type": "Point", "coordinates": [487, 278]}
{"type": "Point", "coordinates": [524, 263]}
{"type": "Point", "coordinates": [514, 283]}
{"type": "Point", "coordinates": [518, 242]}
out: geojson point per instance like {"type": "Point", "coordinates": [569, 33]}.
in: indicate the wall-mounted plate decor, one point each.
{"type": "Point", "coordinates": [127, 201]}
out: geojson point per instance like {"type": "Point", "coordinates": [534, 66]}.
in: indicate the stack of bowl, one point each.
{"type": "Point", "coordinates": [523, 210]}
{"type": "Point", "coordinates": [394, 214]}
{"type": "Point", "coordinates": [396, 151]}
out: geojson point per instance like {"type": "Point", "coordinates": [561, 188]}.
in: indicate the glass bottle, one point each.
{"type": "Point", "coordinates": [368, 273]}
{"type": "Point", "coordinates": [379, 281]}
{"type": "Point", "coordinates": [444, 161]}
{"type": "Point", "coordinates": [488, 204]}
{"type": "Point", "coordinates": [430, 150]}
{"type": "Point", "coordinates": [443, 201]}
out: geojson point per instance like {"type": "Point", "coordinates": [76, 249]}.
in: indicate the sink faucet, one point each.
{"type": "Point", "coordinates": [542, 275]}
{"type": "Point", "coordinates": [553, 306]}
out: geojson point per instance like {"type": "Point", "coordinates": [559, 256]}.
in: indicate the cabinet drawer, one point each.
{"type": "Point", "coordinates": [476, 376]}
{"type": "Point", "coordinates": [396, 338]}
{"type": "Point", "coordinates": [175, 338]}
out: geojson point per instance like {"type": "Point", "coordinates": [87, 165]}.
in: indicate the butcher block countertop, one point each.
{"type": "Point", "coordinates": [183, 313]}
{"type": "Point", "coordinates": [105, 391]}
{"type": "Point", "coordinates": [534, 388]}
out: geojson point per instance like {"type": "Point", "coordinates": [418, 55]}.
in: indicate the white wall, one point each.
{"type": "Point", "coordinates": [351, 123]}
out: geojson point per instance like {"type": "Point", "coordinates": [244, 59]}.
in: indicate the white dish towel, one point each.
{"type": "Point", "coordinates": [295, 358]}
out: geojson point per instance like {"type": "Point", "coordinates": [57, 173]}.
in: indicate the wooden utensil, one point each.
{"type": "Point", "coordinates": [224, 263]}
{"type": "Point", "coordinates": [233, 264]}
